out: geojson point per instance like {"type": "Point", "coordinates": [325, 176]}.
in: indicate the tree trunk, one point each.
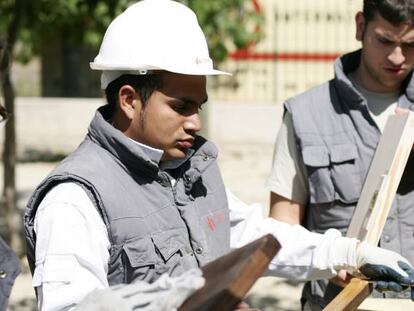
{"type": "Point", "coordinates": [12, 215]}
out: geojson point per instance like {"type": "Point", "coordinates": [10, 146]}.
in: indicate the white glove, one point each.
{"type": "Point", "coordinates": [166, 293]}
{"type": "Point", "coordinates": [389, 269]}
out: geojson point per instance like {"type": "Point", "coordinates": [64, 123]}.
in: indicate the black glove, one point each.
{"type": "Point", "coordinates": [391, 271]}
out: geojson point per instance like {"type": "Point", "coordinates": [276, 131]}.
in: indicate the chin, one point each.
{"type": "Point", "coordinates": [174, 155]}
{"type": "Point", "coordinates": [392, 86]}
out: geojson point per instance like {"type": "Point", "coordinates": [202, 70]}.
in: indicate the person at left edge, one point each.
{"type": "Point", "coordinates": [9, 262]}
{"type": "Point", "coordinates": [143, 195]}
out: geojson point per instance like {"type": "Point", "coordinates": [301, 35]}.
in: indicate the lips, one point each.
{"type": "Point", "coordinates": [394, 70]}
{"type": "Point", "coordinates": [185, 144]}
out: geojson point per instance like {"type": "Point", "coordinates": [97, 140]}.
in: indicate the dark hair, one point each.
{"type": "Point", "coordinates": [144, 85]}
{"type": "Point", "coordinates": [394, 11]}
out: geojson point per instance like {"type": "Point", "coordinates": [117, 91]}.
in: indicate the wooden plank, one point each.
{"type": "Point", "coordinates": [229, 278]}
{"type": "Point", "coordinates": [383, 179]}
{"type": "Point", "coordinates": [381, 304]}
{"type": "Point", "coordinates": [351, 296]}
{"type": "Point", "coordinates": [376, 198]}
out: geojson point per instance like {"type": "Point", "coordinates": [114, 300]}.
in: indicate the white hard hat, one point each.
{"type": "Point", "coordinates": [154, 35]}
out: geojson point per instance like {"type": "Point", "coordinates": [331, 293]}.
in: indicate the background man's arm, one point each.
{"type": "Point", "coordinates": [287, 181]}
{"type": "Point", "coordinates": [286, 210]}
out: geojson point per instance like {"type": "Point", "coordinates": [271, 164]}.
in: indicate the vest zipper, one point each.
{"type": "Point", "coordinates": [173, 188]}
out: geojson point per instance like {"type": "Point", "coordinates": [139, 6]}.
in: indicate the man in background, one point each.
{"type": "Point", "coordinates": [329, 135]}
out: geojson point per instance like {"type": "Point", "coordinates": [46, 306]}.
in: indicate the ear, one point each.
{"type": "Point", "coordinates": [128, 101]}
{"type": "Point", "coordinates": [360, 26]}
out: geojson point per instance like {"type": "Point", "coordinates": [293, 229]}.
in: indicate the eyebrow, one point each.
{"type": "Point", "coordinates": [385, 35]}
{"type": "Point", "coordinates": [392, 38]}
{"type": "Point", "coordinates": [409, 41]}
{"type": "Point", "coordinates": [191, 101]}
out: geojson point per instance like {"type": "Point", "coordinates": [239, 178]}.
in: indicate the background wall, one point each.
{"type": "Point", "coordinates": [301, 40]}
{"type": "Point", "coordinates": [57, 125]}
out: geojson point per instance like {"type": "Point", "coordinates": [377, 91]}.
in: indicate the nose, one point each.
{"type": "Point", "coordinates": [396, 57]}
{"type": "Point", "coordinates": [193, 122]}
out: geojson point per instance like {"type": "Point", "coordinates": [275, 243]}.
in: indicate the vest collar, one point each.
{"type": "Point", "coordinates": [349, 63]}
{"type": "Point", "coordinates": [153, 154]}
{"type": "Point", "coordinates": [205, 155]}
{"type": "Point", "coordinates": [343, 66]}
{"type": "Point", "coordinates": [128, 152]}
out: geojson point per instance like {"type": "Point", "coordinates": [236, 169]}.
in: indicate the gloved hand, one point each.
{"type": "Point", "coordinates": [390, 270]}
{"type": "Point", "coordinates": [165, 294]}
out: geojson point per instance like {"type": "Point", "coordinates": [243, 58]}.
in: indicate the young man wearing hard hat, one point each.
{"type": "Point", "coordinates": [143, 196]}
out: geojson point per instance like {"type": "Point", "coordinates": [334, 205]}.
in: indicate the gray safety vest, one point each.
{"type": "Point", "coordinates": [337, 138]}
{"type": "Point", "coordinates": [153, 227]}
{"type": "Point", "coordinates": [9, 270]}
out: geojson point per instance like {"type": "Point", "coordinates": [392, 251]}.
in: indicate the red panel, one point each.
{"type": "Point", "coordinates": [284, 56]}
{"type": "Point", "coordinates": [256, 6]}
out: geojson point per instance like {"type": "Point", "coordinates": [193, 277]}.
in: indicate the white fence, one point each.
{"type": "Point", "coordinates": [301, 40]}
{"type": "Point", "coordinates": [58, 125]}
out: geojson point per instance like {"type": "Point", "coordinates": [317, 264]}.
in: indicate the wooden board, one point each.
{"type": "Point", "coordinates": [383, 179]}
{"type": "Point", "coordinates": [376, 198]}
{"type": "Point", "coordinates": [229, 278]}
{"type": "Point", "coordinates": [351, 296]}
{"type": "Point", "coordinates": [381, 304]}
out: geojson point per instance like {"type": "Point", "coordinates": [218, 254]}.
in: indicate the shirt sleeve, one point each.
{"type": "Point", "coordinates": [288, 175]}
{"type": "Point", "coordinates": [304, 255]}
{"type": "Point", "coordinates": [72, 248]}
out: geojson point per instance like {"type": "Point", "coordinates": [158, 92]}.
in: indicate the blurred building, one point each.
{"type": "Point", "coordinates": [301, 40]}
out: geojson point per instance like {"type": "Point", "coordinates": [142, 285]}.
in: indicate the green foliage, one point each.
{"type": "Point", "coordinates": [228, 24]}
{"type": "Point", "coordinates": [81, 22]}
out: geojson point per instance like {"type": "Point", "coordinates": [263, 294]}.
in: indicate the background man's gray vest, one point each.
{"type": "Point", "coordinates": [337, 138]}
{"type": "Point", "coordinates": [153, 227]}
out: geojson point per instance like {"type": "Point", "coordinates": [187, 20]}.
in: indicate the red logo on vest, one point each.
{"type": "Point", "coordinates": [214, 220]}
{"type": "Point", "coordinates": [211, 224]}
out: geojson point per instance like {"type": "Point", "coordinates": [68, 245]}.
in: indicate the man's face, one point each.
{"type": "Point", "coordinates": [387, 53]}
{"type": "Point", "coordinates": [171, 117]}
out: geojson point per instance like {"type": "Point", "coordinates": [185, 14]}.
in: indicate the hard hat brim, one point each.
{"type": "Point", "coordinates": [141, 69]}
{"type": "Point", "coordinates": [111, 73]}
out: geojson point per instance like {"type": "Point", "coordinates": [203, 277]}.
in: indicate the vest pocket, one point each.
{"type": "Point", "coordinates": [168, 243]}
{"type": "Point", "coordinates": [140, 259]}
{"type": "Point", "coordinates": [148, 257]}
{"type": "Point", "coordinates": [345, 172]}
{"type": "Point", "coordinates": [333, 173]}
{"type": "Point", "coordinates": [174, 250]}
{"type": "Point", "coordinates": [316, 159]}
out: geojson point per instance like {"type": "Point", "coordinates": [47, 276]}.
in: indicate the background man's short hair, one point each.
{"type": "Point", "coordinates": [394, 11]}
